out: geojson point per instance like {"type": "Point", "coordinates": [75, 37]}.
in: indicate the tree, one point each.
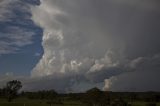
{"type": "Point", "coordinates": [52, 97]}
{"type": "Point", "coordinates": [12, 88]}
{"type": "Point", "coordinates": [96, 97]}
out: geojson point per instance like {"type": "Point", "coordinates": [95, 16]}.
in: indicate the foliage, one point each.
{"type": "Point", "coordinates": [95, 97]}
{"type": "Point", "coordinates": [44, 94]}
{"type": "Point", "coordinates": [11, 89]}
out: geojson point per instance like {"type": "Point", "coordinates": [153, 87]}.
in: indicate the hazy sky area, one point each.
{"type": "Point", "coordinates": [74, 45]}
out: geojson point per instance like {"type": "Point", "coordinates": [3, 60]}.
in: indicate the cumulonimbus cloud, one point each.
{"type": "Point", "coordinates": [94, 39]}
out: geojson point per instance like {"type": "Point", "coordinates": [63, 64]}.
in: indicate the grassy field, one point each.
{"type": "Point", "coordinates": [142, 104]}
{"type": "Point", "coordinates": [29, 102]}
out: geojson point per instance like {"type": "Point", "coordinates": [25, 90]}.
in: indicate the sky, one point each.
{"type": "Point", "coordinates": [74, 45]}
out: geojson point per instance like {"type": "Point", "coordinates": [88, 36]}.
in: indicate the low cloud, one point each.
{"type": "Point", "coordinates": [145, 77]}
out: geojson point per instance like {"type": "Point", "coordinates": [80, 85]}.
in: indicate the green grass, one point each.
{"type": "Point", "coordinates": [141, 103]}
{"type": "Point", "coordinates": [28, 102]}
{"type": "Point", "coordinates": [37, 102]}
{"type": "Point", "coordinates": [138, 103]}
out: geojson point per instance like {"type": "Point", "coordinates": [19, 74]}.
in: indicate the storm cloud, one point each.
{"type": "Point", "coordinates": [99, 41]}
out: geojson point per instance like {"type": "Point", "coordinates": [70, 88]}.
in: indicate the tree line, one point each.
{"type": "Point", "coordinates": [92, 97]}
{"type": "Point", "coordinates": [10, 91]}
